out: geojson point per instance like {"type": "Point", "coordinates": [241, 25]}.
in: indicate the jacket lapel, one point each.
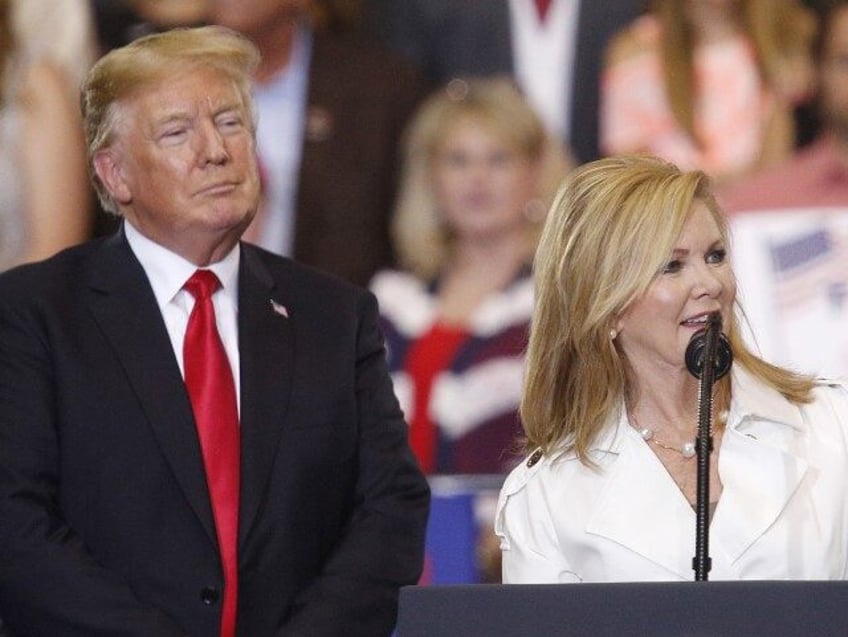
{"type": "Point", "coordinates": [759, 470]}
{"type": "Point", "coordinates": [125, 309]}
{"type": "Point", "coordinates": [641, 508]}
{"type": "Point", "coordinates": [266, 352]}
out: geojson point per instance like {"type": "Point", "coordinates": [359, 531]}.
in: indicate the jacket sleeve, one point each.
{"type": "Point", "coordinates": [528, 539]}
{"type": "Point", "coordinates": [383, 544]}
{"type": "Point", "coordinates": [49, 583]}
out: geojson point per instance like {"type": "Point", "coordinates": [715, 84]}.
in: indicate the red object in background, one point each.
{"type": "Point", "coordinates": [430, 355]}
{"type": "Point", "coordinates": [542, 7]}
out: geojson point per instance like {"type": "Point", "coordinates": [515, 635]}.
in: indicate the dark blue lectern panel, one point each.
{"type": "Point", "coordinates": [688, 609]}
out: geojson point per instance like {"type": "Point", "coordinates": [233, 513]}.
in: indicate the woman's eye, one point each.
{"type": "Point", "coordinates": [717, 256]}
{"type": "Point", "coordinates": [672, 266]}
{"type": "Point", "coordinates": [499, 160]}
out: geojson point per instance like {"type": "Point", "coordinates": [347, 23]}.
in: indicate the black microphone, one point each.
{"type": "Point", "coordinates": [695, 351]}
{"type": "Point", "coordinates": [708, 358]}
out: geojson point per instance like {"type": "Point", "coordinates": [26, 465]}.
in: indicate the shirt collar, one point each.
{"type": "Point", "coordinates": [752, 400]}
{"type": "Point", "coordinates": [168, 272]}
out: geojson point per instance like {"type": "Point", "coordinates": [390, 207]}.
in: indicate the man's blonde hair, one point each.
{"type": "Point", "coordinates": [148, 61]}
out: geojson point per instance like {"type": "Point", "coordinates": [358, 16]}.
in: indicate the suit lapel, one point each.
{"type": "Point", "coordinates": [267, 353]}
{"type": "Point", "coordinates": [126, 311]}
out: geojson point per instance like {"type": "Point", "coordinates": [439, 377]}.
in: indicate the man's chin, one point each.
{"type": "Point", "coordinates": [229, 218]}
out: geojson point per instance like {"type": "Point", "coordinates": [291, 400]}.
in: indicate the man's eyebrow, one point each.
{"type": "Point", "coordinates": [172, 116]}
{"type": "Point", "coordinates": [236, 107]}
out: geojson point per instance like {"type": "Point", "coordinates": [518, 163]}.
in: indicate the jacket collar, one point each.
{"type": "Point", "coordinates": [124, 306]}
{"type": "Point", "coordinates": [641, 508]}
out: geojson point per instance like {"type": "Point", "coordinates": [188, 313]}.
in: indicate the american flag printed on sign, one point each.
{"type": "Point", "coordinates": [810, 265]}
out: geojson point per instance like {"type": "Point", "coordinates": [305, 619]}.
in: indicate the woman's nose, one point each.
{"type": "Point", "coordinates": [708, 282]}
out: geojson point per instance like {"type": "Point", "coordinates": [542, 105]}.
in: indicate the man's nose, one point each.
{"type": "Point", "coordinates": [213, 147]}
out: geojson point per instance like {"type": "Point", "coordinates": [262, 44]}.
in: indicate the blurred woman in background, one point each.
{"type": "Point", "coordinates": [44, 191]}
{"type": "Point", "coordinates": [479, 174]}
{"type": "Point", "coordinates": [708, 84]}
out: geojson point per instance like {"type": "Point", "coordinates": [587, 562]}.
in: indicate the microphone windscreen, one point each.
{"type": "Point", "coordinates": [695, 354]}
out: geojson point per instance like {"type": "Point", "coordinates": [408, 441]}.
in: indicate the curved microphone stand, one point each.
{"type": "Point", "coordinates": [708, 358]}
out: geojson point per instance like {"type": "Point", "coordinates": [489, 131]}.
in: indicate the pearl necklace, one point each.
{"type": "Point", "coordinates": [687, 449]}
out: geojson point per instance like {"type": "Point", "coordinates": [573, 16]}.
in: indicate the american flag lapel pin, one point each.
{"type": "Point", "coordinates": [279, 309]}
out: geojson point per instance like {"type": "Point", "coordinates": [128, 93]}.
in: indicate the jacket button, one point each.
{"type": "Point", "coordinates": [209, 595]}
{"type": "Point", "coordinates": [537, 455]}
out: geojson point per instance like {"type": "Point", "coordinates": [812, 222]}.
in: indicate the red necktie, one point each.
{"type": "Point", "coordinates": [209, 380]}
{"type": "Point", "coordinates": [542, 7]}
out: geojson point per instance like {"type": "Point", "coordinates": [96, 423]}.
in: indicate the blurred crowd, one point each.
{"type": "Point", "coordinates": [414, 146]}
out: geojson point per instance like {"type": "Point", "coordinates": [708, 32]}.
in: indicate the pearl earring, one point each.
{"type": "Point", "coordinates": [613, 333]}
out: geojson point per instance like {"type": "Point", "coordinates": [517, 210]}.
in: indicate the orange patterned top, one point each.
{"type": "Point", "coordinates": [732, 109]}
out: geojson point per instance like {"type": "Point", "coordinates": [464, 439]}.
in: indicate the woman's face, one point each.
{"type": "Point", "coordinates": [696, 281]}
{"type": "Point", "coordinates": [481, 183]}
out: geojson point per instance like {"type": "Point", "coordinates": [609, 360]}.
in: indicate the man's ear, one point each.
{"type": "Point", "coordinates": [108, 170]}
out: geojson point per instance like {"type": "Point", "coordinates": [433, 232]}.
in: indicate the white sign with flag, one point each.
{"type": "Point", "coordinates": [792, 273]}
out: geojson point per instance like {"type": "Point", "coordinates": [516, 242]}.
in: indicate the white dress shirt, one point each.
{"type": "Point", "coordinates": [281, 108]}
{"type": "Point", "coordinates": [543, 54]}
{"type": "Point", "coordinates": [782, 514]}
{"type": "Point", "coordinates": [168, 272]}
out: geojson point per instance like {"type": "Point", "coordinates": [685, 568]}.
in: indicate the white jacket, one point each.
{"type": "Point", "coordinates": [782, 514]}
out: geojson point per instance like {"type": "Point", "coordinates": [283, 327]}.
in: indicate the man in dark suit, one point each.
{"type": "Point", "coordinates": [330, 185]}
{"type": "Point", "coordinates": [142, 495]}
{"type": "Point", "coordinates": [450, 38]}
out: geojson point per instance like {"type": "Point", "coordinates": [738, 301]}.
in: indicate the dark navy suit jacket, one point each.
{"type": "Point", "coordinates": [359, 101]}
{"type": "Point", "coordinates": [105, 521]}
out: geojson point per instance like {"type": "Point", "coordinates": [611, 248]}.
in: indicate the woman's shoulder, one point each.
{"type": "Point", "coordinates": [504, 309]}
{"type": "Point", "coordinates": [536, 469]}
{"type": "Point", "coordinates": [523, 473]}
{"type": "Point", "coordinates": [405, 300]}
{"type": "Point", "coordinates": [825, 416]}
{"type": "Point", "coordinates": [832, 392]}
{"type": "Point", "coordinates": [391, 281]}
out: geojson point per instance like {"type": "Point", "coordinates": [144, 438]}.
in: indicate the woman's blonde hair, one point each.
{"type": "Point", "coordinates": [145, 62]}
{"type": "Point", "coordinates": [422, 241]}
{"type": "Point", "coordinates": [779, 30]}
{"type": "Point", "coordinates": [611, 229]}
